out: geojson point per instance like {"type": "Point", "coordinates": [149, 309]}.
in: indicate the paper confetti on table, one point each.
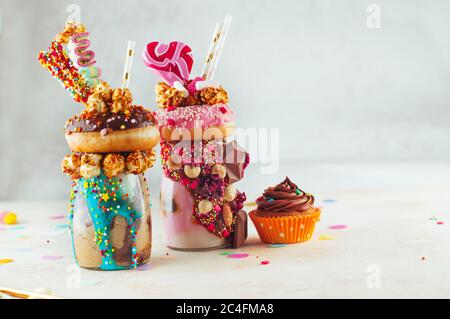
{"type": "Point", "coordinates": [440, 222]}
{"type": "Point", "coordinates": [6, 261]}
{"type": "Point", "coordinates": [58, 217]}
{"type": "Point", "coordinates": [339, 226]}
{"type": "Point", "coordinates": [51, 257]}
{"type": "Point", "coordinates": [325, 237]}
{"type": "Point", "coordinates": [265, 262]}
{"type": "Point", "coordinates": [238, 255]}
{"type": "Point", "coordinates": [276, 245]}
{"type": "Point", "coordinates": [225, 253]}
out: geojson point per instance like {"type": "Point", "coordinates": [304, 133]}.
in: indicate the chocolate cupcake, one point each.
{"type": "Point", "coordinates": [285, 214]}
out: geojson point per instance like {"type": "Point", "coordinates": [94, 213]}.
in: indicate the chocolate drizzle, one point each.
{"type": "Point", "coordinates": [95, 122]}
{"type": "Point", "coordinates": [285, 197]}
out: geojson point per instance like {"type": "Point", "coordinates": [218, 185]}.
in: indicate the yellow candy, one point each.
{"type": "Point", "coordinates": [10, 219]}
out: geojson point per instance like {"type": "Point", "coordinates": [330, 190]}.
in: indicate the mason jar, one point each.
{"type": "Point", "coordinates": [110, 222]}
{"type": "Point", "coordinates": [181, 232]}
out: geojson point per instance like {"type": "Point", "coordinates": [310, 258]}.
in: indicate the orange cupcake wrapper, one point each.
{"type": "Point", "coordinates": [285, 229]}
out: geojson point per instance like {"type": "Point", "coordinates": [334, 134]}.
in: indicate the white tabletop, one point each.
{"type": "Point", "coordinates": [393, 245]}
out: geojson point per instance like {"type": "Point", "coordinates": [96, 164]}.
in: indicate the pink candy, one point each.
{"type": "Point", "coordinates": [172, 62]}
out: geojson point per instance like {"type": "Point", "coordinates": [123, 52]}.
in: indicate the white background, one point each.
{"type": "Point", "coordinates": [339, 91]}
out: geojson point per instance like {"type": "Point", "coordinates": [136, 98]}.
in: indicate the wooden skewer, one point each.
{"type": "Point", "coordinates": [24, 294]}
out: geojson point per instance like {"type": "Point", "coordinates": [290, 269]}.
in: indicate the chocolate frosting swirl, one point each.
{"type": "Point", "coordinates": [285, 197]}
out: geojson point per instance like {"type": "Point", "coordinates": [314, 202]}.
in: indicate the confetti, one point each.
{"type": "Point", "coordinates": [225, 253]}
{"type": "Point", "coordinates": [6, 261]}
{"type": "Point", "coordinates": [238, 256]}
{"type": "Point", "coordinates": [329, 201]}
{"type": "Point", "coordinates": [58, 217]}
{"type": "Point", "coordinates": [265, 262]}
{"type": "Point", "coordinates": [440, 222]}
{"type": "Point", "coordinates": [276, 245]}
{"type": "Point", "coordinates": [51, 257]}
{"type": "Point", "coordinates": [339, 226]}
{"type": "Point", "coordinates": [325, 237]}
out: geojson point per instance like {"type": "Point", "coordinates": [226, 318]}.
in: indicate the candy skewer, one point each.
{"type": "Point", "coordinates": [211, 49]}
{"type": "Point", "coordinates": [219, 48]}
{"type": "Point", "coordinates": [128, 64]}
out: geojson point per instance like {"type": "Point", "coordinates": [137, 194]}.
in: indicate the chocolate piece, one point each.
{"type": "Point", "coordinates": [240, 229]}
{"type": "Point", "coordinates": [235, 161]}
{"type": "Point", "coordinates": [96, 122]}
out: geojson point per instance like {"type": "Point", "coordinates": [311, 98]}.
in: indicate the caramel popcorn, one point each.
{"type": "Point", "coordinates": [90, 165]}
{"type": "Point", "coordinates": [150, 158]}
{"type": "Point", "coordinates": [213, 96]}
{"type": "Point", "coordinates": [71, 165]}
{"type": "Point", "coordinates": [104, 91]}
{"type": "Point", "coordinates": [168, 96]}
{"type": "Point", "coordinates": [121, 100]}
{"type": "Point", "coordinates": [71, 28]}
{"type": "Point", "coordinates": [136, 162]}
{"type": "Point", "coordinates": [193, 99]}
{"type": "Point", "coordinates": [95, 103]}
{"type": "Point", "coordinates": [113, 165]}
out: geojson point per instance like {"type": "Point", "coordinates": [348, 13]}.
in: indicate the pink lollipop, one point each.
{"type": "Point", "coordinates": [172, 62]}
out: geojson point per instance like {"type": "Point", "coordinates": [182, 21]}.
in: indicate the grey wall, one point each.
{"type": "Point", "coordinates": [337, 90]}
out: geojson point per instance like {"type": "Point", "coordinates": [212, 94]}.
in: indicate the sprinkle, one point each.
{"type": "Point", "coordinates": [238, 256]}
{"type": "Point", "coordinates": [337, 226]}
{"type": "Point", "coordinates": [122, 127]}
{"type": "Point", "coordinates": [270, 199]}
{"type": "Point", "coordinates": [297, 191]}
{"type": "Point", "coordinates": [440, 222]}
{"type": "Point", "coordinates": [6, 261]}
{"type": "Point", "coordinates": [223, 109]}
{"type": "Point", "coordinates": [423, 258]}
{"type": "Point", "coordinates": [325, 237]}
{"type": "Point", "coordinates": [170, 122]}
{"type": "Point", "coordinates": [103, 132]}
{"type": "Point", "coordinates": [226, 253]}
{"type": "Point", "coordinates": [265, 262]}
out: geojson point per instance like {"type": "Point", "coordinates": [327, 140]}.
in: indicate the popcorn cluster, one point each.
{"type": "Point", "coordinates": [167, 96]}
{"type": "Point", "coordinates": [104, 99]}
{"type": "Point", "coordinates": [90, 165]}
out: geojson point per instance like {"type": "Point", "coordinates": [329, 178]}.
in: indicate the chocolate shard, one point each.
{"type": "Point", "coordinates": [235, 161]}
{"type": "Point", "coordinates": [240, 230]}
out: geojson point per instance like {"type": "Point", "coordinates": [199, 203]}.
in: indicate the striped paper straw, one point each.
{"type": "Point", "coordinates": [128, 64]}
{"type": "Point", "coordinates": [212, 47]}
{"type": "Point", "coordinates": [219, 47]}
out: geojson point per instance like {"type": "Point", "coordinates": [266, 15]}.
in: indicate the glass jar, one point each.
{"type": "Point", "coordinates": [110, 222]}
{"type": "Point", "coordinates": [181, 233]}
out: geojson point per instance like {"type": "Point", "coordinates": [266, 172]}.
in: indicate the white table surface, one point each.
{"type": "Point", "coordinates": [393, 247]}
